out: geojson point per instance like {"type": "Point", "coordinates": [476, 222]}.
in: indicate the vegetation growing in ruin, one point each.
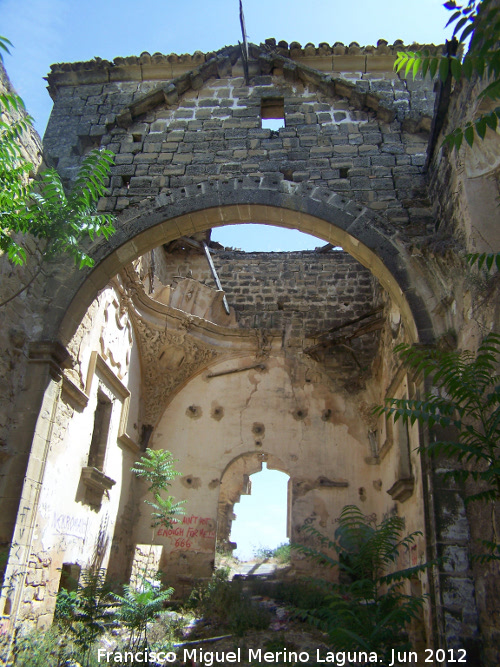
{"type": "Point", "coordinates": [157, 468]}
{"type": "Point", "coordinates": [56, 219]}
{"type": "Point", "coordinates": [479, 21]}
{"type": "Point", "coordinates": [281, 553]}
{"type": "Point", "coordinates": [86, 614]}
{"type": "Point", "coordinates": [368, 608]}
{"type": "Point", "coordinates": [463, 413]}
{"type": "Point", "coordinates": [91, 614]}
{"type": "Point", "coordinates": [138, 607]}
{"type": "Point", "coordinates": [228, 605]}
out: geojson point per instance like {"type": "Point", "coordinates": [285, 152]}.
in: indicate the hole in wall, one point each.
{"type": "Point", "coordinates": [70, 576]}
{"type": "Point", "coordinates": [261, 516]}
{"type": "Point", "coordinates": [194, 411]}
{"type": "Point", "coordinates": [272, 112]}
{"type": "Point", "coordinates": [217, 412]}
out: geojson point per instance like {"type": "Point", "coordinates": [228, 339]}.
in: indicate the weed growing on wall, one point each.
{"type": "Point", "coordinates": [463, 413]}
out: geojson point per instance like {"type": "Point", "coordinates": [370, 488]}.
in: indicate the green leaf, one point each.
{"type": "Point", "coordinates": [492, 91]}
{"type": "Point", "coordinates": [469, 134]}
{"type": "Point", "coordinates": [416, 66]}
{"type": "Point", "coordinates": [459, 135]}
{"type": "Point", "coordinates": [456, 68]}
{"type": "Point", "coordinates": [491, 120]}
{"type": "Point", "coordinates": [481, 127]}
{"type": "Point", "coordinates": [409, 65]}
{"type": "Point", "coordinates": [444, 66]}
{"type": "Point", "coordinates": [4, 44]}
{"type": "Point", "coordinates": [433, 67]}
{"type": "Point", "coordinates": [453, 18]}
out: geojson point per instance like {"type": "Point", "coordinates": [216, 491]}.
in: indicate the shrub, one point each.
{"type": "Point", "coordinates": [225, 603]}
{"type": "Point", "coordinates": [138, 607]}
{"type": "Point", "coordinates": [282, 553]}
{"type": "Point", "coordinates": [463, 412]}
{"type": "Point", "coordinates": [367, 609]}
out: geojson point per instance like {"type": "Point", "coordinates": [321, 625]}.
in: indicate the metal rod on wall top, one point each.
{"type": "Point", "coordinates": [215, 276]}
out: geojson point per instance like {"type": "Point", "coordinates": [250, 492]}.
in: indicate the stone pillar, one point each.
{"type": "Point", "coordinates": [40, 400]}
{"type": "Point", "coordinates": [456, 618]}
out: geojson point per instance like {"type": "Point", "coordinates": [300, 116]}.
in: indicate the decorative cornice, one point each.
{"type": "Point", "coordinates": [319, 67]}
{"type": "Point", "coordinates": [151, 63]}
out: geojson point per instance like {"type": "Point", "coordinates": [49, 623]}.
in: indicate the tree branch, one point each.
{"type": "Point", "coordinates": [23, 288]}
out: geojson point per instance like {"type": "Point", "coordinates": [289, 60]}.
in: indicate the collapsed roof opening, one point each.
{"type": "Point", "coordinates": [264, 238]}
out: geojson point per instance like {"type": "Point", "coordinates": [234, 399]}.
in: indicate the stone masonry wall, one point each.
{"type": "Point", "coordinates": [19, 318]}
{"type": "Point", "coordinates": [299, 293]}
{"type": "Point", "coordinates": [466, 225]}
{"type": "Point", "coordinates": [214, 132]}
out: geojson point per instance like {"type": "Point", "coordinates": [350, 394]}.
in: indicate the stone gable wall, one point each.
{"type": "Point", "coordinates": [215, 132]}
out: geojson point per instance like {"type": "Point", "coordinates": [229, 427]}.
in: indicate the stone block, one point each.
{"type": "Point", "coordinates": [345, 150]}
{"type": "Point", "coordinates": [174, 170]}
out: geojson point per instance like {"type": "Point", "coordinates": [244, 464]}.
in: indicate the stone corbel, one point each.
{"type": "Point", "coordinates": [402, 489]}
{"type": "Point", "coordinates": [96, 484]}
{"type": "Point", "coordinates": [73, 393]}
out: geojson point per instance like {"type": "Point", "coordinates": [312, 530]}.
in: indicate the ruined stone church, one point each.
{"type": "Point", "coordinates": [231, 359]}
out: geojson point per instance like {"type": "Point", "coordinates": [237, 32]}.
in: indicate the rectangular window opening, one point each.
{"type": "Point", "coordinates": [272, 113]}
{"type": "Point", "coordinates": [70, 575]}
{"type": "Point", "coordinates": [102, 419]}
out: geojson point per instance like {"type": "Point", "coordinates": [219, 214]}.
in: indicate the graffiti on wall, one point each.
{"type": "Point", "coordinates": [191, 533]}
{"type": "Point", "coordinates": [62, 529]}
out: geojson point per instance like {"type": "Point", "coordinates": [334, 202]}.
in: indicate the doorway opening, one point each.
{"type": "Point", "coordinates": [262, 516]}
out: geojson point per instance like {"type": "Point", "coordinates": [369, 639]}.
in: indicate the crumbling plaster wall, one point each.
{"type": "Point", "coordinates": [301, 294]}
{"type": "Point", "coordinates": [280, 413]}
{"type": "Point", "coordinates": [72, 521]}
{"type": "Point", "coordinates": [299, 414]}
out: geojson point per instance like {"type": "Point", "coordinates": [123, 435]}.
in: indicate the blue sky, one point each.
{"type": "Point", "coordinates": [268, 499]}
